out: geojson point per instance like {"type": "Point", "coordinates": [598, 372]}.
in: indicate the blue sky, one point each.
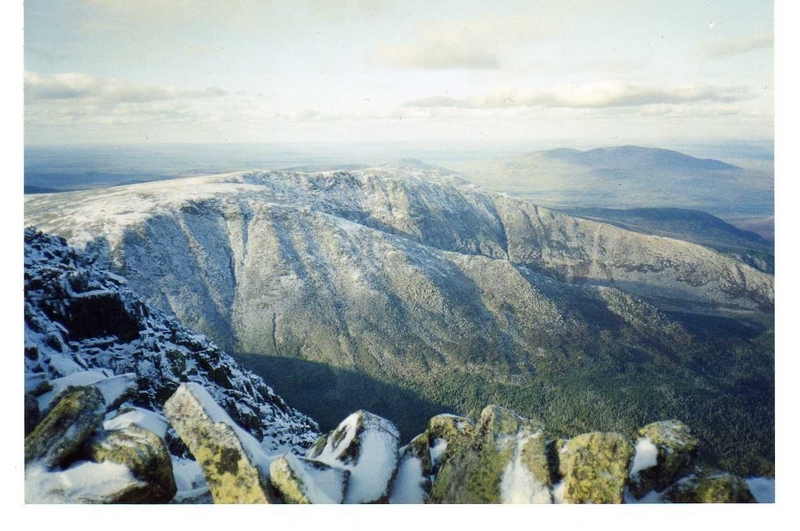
{"type": "Point", "coordinates": [378, 70]}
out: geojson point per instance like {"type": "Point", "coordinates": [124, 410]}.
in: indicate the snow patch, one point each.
{"type": "Point", "coordinates": [518, 484]}
{"type": "Point", "coordinates": [558, 491]}
{"type": "Point", "coordinates": [408, 485]}
{"type": "Point", "coordinates": [646, 455]}
{"type": "Point", "coordinates": [142, 418]}
{"type": "Point", "coordinates": [437, 451]}
{"type": "Point", "coordinates": [320, 485]}
{"type": "Point", "coordinates": [763, 489]}
{"type": "Point", "coordinates": [84, 482]}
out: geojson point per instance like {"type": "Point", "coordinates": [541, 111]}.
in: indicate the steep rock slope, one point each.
{"type": "Point", "coordinates": [79, 318]}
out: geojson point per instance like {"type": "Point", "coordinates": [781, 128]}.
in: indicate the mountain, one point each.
{"type": "Point", "coordinates": [407, 291]}
{"type": "Point", "coordinates": [630, 177]}
{"type": "Point", "coordinates": [689, 225]}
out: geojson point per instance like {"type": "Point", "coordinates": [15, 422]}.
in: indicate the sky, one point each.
{"type": "Point", "coordinates": [606, 72]}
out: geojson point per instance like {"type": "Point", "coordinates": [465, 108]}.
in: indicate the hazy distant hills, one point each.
{"type": "Point", "coordinates": [406, 290]}
{"type": "Point", "coordinates": [631, 177]}
{"type": "Point", "coordinates": [690, 225]}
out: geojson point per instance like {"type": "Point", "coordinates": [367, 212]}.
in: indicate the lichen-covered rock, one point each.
{"type": "Point", "coordinates": [504, 462]}
{"type": "Point", "coordinates": [665, 451]}
{"type": "Point", "coordinates": [367, 446]}
{"type": "Point", "coordinates": [300, 480]}
{"type": "Point", "coordinates": [234, 466]}
{"type": "Point", "coordinates": [75, 414]}
{"type": "Point", "coordinates": [31, 413]}
{"type": "Point", "coordinates": [447, 435]}
{"type": "Point", "coordinates": [710, 487]}
{"type": "Point", "coordinates": [145, 455]}
{"type": "Point", "coordinates": [421, 459]}
{"type": "Point", "coordinates": [595, 468]}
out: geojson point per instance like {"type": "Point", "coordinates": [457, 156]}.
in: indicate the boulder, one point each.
{"type": "Point", "coordinates": [665, 451]}
{"type": "Point", "coordinates": [595, 468]}
{"type": "Point", "coordinates": [235, 467]}
{"type": "Point", "coordinates": [75, 414]}
{"type": "Point", "coordinates": [367, 446]}
{"type": "Point", "coordinates": [710, 487]}
{"type": "Point", "coordinates": [300, 480]}
{"type": "Point", "coordinates": [505, 461]}
{"type": "Point", "coordinates": [145, 455]}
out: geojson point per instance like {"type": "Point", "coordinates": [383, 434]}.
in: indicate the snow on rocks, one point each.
{"type": "Point", "coordinates": [665, 451]}
{"type": "Point", "coordinates": [145, 455]}
{"type": "Point", "coordinates": [234, 465]}
{"type": "Point", "coordinates": [300, 480]}
{"type": "Point", "coordinates": [421, 458]}
{"type": "Point", "coordinates": [367, 446]}
{"type": "Point", "coordinates": [504, 462]}
{"type": "Point", "coordinates": [84, 482]}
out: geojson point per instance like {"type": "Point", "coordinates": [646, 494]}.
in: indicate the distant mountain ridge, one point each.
{"type": "Point", "coordinates": [628, 177]}
{"type": "Point", "coordinates": [632, 157]}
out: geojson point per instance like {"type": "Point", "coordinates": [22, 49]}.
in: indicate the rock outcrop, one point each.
{"type": "Point", "coordinates": [367, 446]}
{"type": "Point", "coordinates": [233, 463]}
{"type": "Point", "coordinates": [505, 461]}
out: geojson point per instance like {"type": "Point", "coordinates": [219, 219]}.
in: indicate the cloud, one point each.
{"type": "Point", "coordinates": [435, 55]}
{"type": "Point", "coordinates": [737, 46]}
{"type": "Point", "coordinates": [76, 86]}
{"type": "Point", "coordinates": [470, 44]}
{"type": "Point", "coordinates": [590, 96]}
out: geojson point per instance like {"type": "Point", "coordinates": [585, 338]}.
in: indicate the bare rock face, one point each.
{"type": "Point", "coordinates": [233, 464]}
{"type": "Point", "coordinates": [595, 468]}
{"type": "Point", "coordinates": [367, 446]}
{"type": "Point", "coordinates": [145, 455]}
{"type": "Point", "coordinates": [304, 481]}
{"type": "Point", "coordinates": [504, 462]}
{"type": "Point", "coordinates": [76, 413]}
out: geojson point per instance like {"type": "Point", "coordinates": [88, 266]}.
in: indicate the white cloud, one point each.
{"type": "Point", "coordinates": [69, 86]}
{"type": "Point", "coordinates": [736, 46]}
{"type": "Point", "coordinates": [434, 54]}
{"type": "Point", "coordinates": [470, 44]}
{"type": "Point", "coordinates": [607, 94]}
